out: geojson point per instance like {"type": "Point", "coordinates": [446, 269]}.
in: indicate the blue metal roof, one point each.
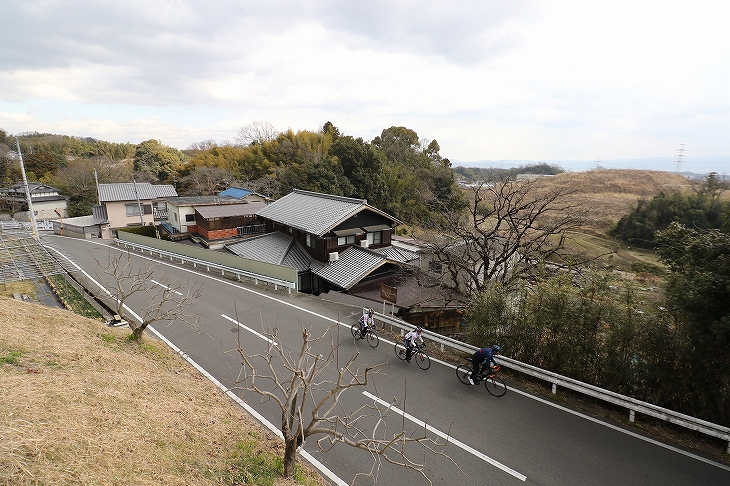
{"type": "Point", "coordinates": [236, 192]}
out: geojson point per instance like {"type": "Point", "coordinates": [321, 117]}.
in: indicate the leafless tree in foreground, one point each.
{"type": "Point", "coordinates": [163, 299]}
{"type": "Point", "coordinates": [508, 225]}
{"type": "Point", "coordinates": [308, 392]}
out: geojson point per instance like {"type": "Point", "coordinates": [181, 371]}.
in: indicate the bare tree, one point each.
{"type": "Point", "coordinates": [267, 185]}
{"type": "Point", "coordinates": [257, 132]}
{"type": "Point", "coordinates": [309, 392]}
{"type": "Point", "coordinates": [203, 146]}
{"type": "Point", "coordinates": [507, 225]}
{"type": "Point", "coordinates": [206, 181]}
{"type": "Point", "coordinates": [164, 299]}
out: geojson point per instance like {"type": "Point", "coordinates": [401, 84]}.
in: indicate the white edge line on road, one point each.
{"type": "Point", "coordinates": [533, 397]}
{"type": "Point", "coordinates": [306, 455]}
{"type": "Point", "coordinates": [448, 438]}
{"type": "Point", "coordinates": [165, 287]}
{"type": "Point", "coordinates": [627, 432]}
{"type": "Point", "coordinates": [270, 341]}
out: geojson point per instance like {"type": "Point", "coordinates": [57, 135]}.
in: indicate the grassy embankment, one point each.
{"type": "Point", "coordinates": [80, 404]}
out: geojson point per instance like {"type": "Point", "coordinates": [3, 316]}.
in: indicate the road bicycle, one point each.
{"type": "Point", "coordinates": [417, 353]}
{"type": "Point", "coordinates": [493, 383]}
{"type": "Point", "coordinates": [371, 336]}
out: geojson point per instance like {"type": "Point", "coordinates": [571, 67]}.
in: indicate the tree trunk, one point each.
{"type": "Point", "coordinates": [290, 457]}
{"type": "Point", "coordinates": [137, 333]}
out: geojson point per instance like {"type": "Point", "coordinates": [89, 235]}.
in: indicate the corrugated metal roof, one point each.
{"type": "Point", "coordinates": [201, 200]}
{"type": "Point", "coordinates": [229, 210]}
{"type": "Point", "coordinates": [353, 265]}
{"type": "Point", "coordinates": [315, 213]}
{"type": "Point", "coordinates": [125, 191]}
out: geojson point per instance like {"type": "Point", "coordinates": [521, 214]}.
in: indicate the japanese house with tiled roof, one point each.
{"type": "Point", "coordinates": [334, 242]}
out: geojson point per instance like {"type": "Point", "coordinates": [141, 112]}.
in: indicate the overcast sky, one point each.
{"type": "Point", "coordinates": [535, 80]}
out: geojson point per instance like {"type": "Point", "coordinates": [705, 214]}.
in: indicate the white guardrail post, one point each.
{"type": "Point", "coordinates": [631, 404]}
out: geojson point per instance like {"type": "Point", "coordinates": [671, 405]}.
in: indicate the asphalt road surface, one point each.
{"type": "Point", "coordinates": [514, 440]}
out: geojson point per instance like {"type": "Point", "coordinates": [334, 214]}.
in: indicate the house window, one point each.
{"type": "Point", "coordinates": [310, 241]}
{"type": "Point", "coordinates": [346, 240]}
{"type": "Point", "coordinates": [375, 238]}
{"type": "Point", "coordinates": [132, 209]}
{"type": "Point", "coordinates": [435, 266]}
{"type": "Point", "coordinates": [189, 218]}
{"type": "Point", "coordinates": [174, 217]}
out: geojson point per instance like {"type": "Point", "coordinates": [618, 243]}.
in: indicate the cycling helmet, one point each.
{"type": "Point", "coordinates": [496, 349]}
{"type": "Point", "coordinates": [419, 329]}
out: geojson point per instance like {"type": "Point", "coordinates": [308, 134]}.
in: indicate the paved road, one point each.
{"type": "Point", "coordinates": [517, 439]}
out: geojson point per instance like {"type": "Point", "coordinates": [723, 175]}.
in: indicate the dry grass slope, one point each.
{"type": "Point", "coordinates": [609, 194]}
{"type": "Point", "coordinates": [81, 405]}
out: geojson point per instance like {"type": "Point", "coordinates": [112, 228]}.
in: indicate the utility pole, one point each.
{"type": "Point", "coordinates": [139, 204]}
{"type": "Point", "coordinates": [96, 179]}
{"type": "Point", "coordinates": [27, 192]}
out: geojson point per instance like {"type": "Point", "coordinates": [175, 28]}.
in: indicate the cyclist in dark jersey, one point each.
{"type": "Point", "coordinates": [484, 358]}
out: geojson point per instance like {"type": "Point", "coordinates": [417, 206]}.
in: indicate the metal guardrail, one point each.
{"type": "Point", "coordinates": [195, 262]}
{"type": "Point", "coordinates": [632, 404]}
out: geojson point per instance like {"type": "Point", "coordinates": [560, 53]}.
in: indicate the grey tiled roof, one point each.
{"type": "Point", "coordinates": [397, 254]}
{"type": "Point", "coordinates": [313, 212]}
{"type": "Point", "coordinates": [276, 248]}
{"type": "Point", "coordinates": [353, 265]}
{"type": "Point", "coordinates": [125, 191]}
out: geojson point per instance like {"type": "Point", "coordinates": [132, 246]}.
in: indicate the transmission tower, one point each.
{"type": "Point", "coordinates": [680, 156]}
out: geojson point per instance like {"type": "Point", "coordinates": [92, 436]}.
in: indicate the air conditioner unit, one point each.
{"type": "Point", "coordinates": [365, 244]}
{"type": "Point", "coordinates": [334, 256]}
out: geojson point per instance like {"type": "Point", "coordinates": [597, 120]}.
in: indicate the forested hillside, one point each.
{"type": "Point", "coordinates": [397, 171]}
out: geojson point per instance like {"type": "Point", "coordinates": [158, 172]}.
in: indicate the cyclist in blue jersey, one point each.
{"type": "Point", "coordinates": [483, 358]}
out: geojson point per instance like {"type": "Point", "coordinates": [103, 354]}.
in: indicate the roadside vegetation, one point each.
{"type": "Point", "coordinates": [82, 404]}
{"type": "Point", "coordinates": [657, 330]}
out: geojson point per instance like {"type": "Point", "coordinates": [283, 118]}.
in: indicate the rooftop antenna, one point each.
{"type": "Point", "coordinates": [680, 156]}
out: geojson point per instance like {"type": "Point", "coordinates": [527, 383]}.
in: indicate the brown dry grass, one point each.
{"type": "Point", "coordinates": [79, 404]}
{"type": "Point", "coordinates": [609, 194]}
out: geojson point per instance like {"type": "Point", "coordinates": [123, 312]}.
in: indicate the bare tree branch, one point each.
{"type": "Point", "coordinates": [257, 132]}
{"type": "Point", "coordinates": [164, 299]}
{"type": "Point", "coordinates": [309, 393]}
{"type": "Point", "coordinates": [508, 225]}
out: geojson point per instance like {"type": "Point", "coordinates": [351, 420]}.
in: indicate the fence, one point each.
{"type": "Point", "coordinates": [631, 404]}
{"type": "Point", "coordinates": [275, 275]}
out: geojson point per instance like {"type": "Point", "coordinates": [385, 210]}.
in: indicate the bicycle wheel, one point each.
{"type": "Point", "coordinates": [372, 339]}
{"type": "Point", "coordinates": [422, 360]}
{"type": "Point", "coordinates": [400, 351]}
{"type": "Point", "coordinates": [355, 330]}
{"type": "Point", "coordinates": [463, 372]}
{"type": "Point", "coordinates": [495, 386]}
